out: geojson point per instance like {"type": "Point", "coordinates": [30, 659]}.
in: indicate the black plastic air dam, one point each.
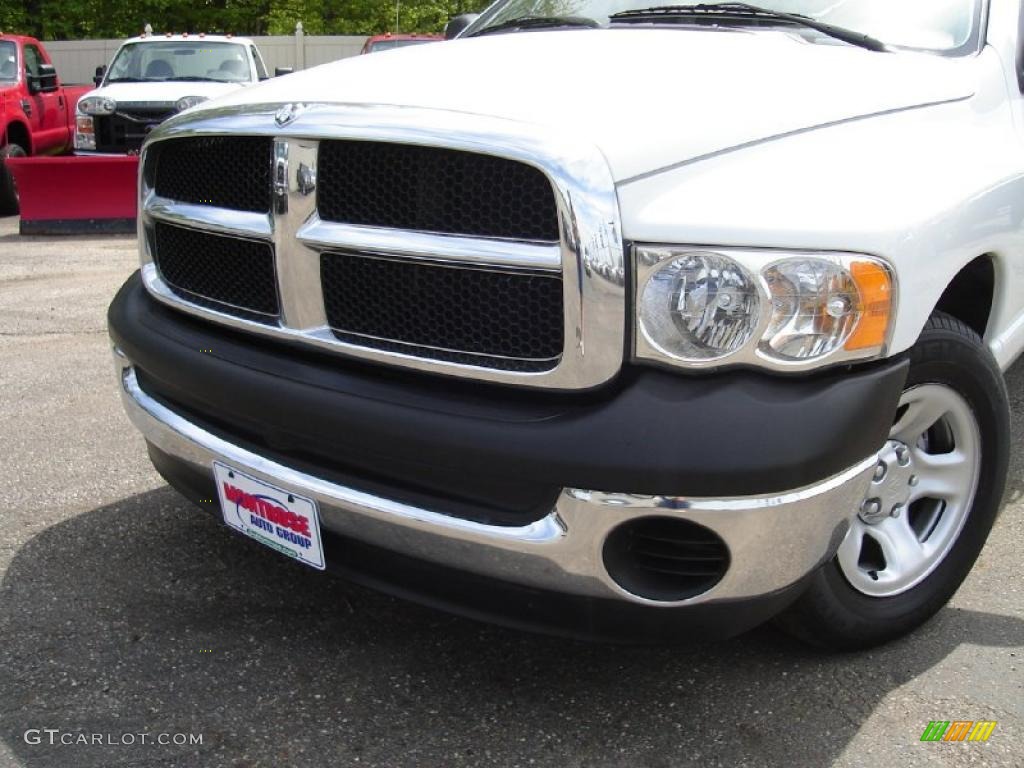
{"type": "Point", "coordinates": [648, 432]}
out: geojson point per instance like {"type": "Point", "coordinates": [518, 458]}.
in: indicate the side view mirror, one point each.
{"type": "Point", "coordinates": [100, 72]}
{"type": "Point", "coordinates": [280, 71]}
{"type": "Point", "coordinates": [457, 24]}
{"type": "Point", "coordinates": [45, 81]}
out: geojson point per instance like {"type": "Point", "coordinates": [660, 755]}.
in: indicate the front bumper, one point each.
{"type": "Point", "coordinates": [775, 536]}
{"type": "Point", "coordinates": [773, 540]}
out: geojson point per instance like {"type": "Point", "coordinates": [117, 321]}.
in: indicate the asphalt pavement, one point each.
{"type": "Point", "coordinates": [128, 616]}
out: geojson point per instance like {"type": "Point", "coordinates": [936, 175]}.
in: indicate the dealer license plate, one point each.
{"type": "Point", "coordinates": [273, 516]}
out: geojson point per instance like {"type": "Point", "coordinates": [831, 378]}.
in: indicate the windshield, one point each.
{"type": "Point", "coordinates": [944, 26]}
{"type": "Point", "coordinates": [8, 62]}
{"type": "Point", "coordinates": [179, 60]}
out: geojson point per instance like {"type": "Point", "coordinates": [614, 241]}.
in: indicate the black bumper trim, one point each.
{"type": "Point", "coordinates": [122, 226]}
{"type": "Point", "coordinates": [739, 433]}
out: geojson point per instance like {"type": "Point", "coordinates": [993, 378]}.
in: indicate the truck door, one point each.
{"type": "Point", "coordinates": [48, 118]}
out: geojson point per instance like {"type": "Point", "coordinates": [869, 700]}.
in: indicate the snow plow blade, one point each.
{"type": "Point", "coordinates": [76, 195]}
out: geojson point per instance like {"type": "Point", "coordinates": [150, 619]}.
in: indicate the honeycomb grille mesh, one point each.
{"type": "Point", "coordinates": [432, 189]}
{"type": "Point", "coordinates": [503, 320]}
{"type": "Point", "coordinates": [223, 171]}
{"type": "Point", "coordinates": [224, 273]}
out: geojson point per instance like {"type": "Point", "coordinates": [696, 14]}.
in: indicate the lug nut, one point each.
{"type": "Point", "coordinates": [914, 480]}
{"type": "Point", "coordinates": [903, 455]}
{"type": "Point", "coordinates": [880, 472]}
{"type": "Point", "coordinates": [871, 507]}
{"type": "Point", "coordinates": [897, 510]}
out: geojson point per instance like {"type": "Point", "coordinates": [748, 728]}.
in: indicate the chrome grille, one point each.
{"type": "Point", "coordinates": [404, 285]}
{"type": "Point", "coordinates": [125, 130]}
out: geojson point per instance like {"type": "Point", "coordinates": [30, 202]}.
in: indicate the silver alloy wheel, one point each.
{"type": "Point", "coordinates": [920, 496]}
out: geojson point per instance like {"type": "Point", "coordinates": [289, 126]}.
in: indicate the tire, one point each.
{"type": "Point", "coordinates": [880, 586]}
{"type": "Point", "coordinates": [8, 190]}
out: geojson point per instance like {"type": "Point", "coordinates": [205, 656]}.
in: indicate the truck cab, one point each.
{"type": "Point", "coordinates": [36, 109]}
{"type": "Point", "coordinates": [153, 77]}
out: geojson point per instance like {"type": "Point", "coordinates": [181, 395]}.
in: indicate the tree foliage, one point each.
{"type": "Point", "coordinates": [77, 19]}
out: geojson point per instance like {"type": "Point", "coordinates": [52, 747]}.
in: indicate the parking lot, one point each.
{"type": "Point", "coordinates": [123, 609]}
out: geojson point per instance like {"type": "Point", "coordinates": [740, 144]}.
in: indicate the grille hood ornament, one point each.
{"type": "Point", "coordinates": [287, 114]}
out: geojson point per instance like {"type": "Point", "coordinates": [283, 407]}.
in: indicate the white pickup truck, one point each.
{"type": "Point", "coordinates": [606, 319]}
{"type": "Point", "coordinates": [153, 77]}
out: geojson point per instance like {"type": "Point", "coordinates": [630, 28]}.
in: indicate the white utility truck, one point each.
{"type": "Point", "coordinates": [153, 77]}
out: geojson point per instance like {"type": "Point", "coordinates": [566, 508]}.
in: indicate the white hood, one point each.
{"type": "Point", "coordinates": [648, 98]}
{"type": "Point", "coordinates": [163, 92]}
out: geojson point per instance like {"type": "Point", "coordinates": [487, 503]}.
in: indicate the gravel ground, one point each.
{"type": "Point", "coordinates": [123, 610]}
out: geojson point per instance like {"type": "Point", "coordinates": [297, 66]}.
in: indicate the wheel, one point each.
{"type": "Point", "coordinates": [8, 190]}
{"type": "Point", "coordinates": [935, 494]}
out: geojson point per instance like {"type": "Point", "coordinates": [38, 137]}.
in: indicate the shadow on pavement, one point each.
{"type": "Point", "coordinates": [147, 616]}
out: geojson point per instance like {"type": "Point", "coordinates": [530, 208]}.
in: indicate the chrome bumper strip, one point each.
{"type": "Point", "coordinates": [773, 541]}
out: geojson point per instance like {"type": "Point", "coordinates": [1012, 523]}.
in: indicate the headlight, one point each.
{"type": "Point", "coordinates": [85, 132]}
{"type": "Point", "coordinates": [97, 105]}
{"type": "Point", "coordinates": [187, 102]}
{"type": "Point", "coordinates": [698, 308]}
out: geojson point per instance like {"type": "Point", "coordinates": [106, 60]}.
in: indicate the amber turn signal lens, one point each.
{"type": "Point", "coordinates": [875, 285]}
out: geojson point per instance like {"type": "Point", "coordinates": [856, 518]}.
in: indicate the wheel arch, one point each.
{"type": "Point", "coordinates": [971, 295]}
{"type": "Point", "coordinates": [16, 132]}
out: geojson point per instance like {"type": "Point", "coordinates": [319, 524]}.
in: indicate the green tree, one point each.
{"type": "Point", "coordinates": [79, 19]}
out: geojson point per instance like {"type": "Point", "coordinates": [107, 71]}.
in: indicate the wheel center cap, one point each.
{"type": "Point", "coordinates": [892, 485]}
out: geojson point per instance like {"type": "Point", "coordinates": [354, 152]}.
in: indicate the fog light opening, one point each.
{"type": "Point", "coordinates": [665, 559]}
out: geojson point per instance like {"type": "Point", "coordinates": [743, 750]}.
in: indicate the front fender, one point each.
{"type": "Point", "coordinates": [928, 190]}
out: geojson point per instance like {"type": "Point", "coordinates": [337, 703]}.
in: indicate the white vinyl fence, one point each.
{"type": "Point", "coordinates": [76, 60]}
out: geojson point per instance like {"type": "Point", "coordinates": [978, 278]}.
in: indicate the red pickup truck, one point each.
{"type": "Point", "coordinates": [37, 113]}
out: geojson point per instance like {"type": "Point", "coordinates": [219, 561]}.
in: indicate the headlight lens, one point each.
{"type": "Point", "coordinates": [97, 105]}
{"type": "Point", "coordinates": [701, 309]}
{"type": "Point", "coordinates": [85, 132]}
{"type": "Point", "coordinates": [187, 102]}
{"type": "Point", "coordinates": [699, 306]}
{"type": "Point", "coordinates": [815, 307]}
